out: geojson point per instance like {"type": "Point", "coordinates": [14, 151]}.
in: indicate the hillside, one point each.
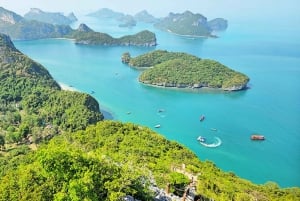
{"type": "Point", "coordinates": [144, 16]}
{"type": "Point", "coordinates": [50, 17]}
{"type": "Point", "coordinates": [33, 107]}
{"type": "Point", "coordinates": [17, 27]}
{"type": "Point", "coordinates": [88, 159]}
{"type": "Point", "coordinates": [86, 36]}
{"type": "Point", "coordinates": [181, 70]}
{"type": "Point", "coordinates": [111, 160]}
{"type": "Point", "coordinates": [190, 24]}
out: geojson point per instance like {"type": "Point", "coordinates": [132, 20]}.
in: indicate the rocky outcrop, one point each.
{"type": "Point", "coordinates": [235, 87]}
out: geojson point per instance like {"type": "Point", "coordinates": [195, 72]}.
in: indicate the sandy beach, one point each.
{"type": "Point", "coordinates": [67, 87]}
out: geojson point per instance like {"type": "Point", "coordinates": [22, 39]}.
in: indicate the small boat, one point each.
{"type": "Point", "coordinates": [92, 92]}
{"type": "Point", "coordinates": [257, 137]}
{"type": "Point", "coordinates": [160, 110]}
{"type": "Point", "coordinates": [202, 117]}
{"type": "Point", "coordinates": [128, 113]}
{"type": "Point", "coordinates": [213, 129]}
{"type": "Point", "coordinates": [201, 139]}
{"type": "Point", "coordinates": [157, 126]}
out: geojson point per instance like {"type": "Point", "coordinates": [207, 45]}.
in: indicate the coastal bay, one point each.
{"type": "Point", "coordinates": [267, 107]}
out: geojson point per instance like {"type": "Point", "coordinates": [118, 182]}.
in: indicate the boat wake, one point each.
{"type": "Point", "coordinates": [216, 143]}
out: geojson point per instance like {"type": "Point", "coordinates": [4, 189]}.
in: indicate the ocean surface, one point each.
{"type": "Point", "coordinates": [270, 56]}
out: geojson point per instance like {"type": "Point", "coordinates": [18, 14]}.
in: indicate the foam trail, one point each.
{"type": "Point", "coordinates": [217, 143]}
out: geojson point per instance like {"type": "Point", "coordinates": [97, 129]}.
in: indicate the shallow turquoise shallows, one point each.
{"type": "Point", "coordinates": [271, 105]}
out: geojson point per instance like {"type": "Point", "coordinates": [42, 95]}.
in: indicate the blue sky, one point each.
{"type": "Point", "coordinates": [241, 10]}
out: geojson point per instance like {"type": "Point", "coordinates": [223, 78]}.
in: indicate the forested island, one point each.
{"type": "Point", "coordinates": [125, 19]}
{"type": "Point", "coordinates": [190, 24]}
{"type": "Point", "coordinates": [18, 27]}
{"type": "Point", "coordinates": [85, 35]}
{"type": "Point", "coordinates": [84, 158]}
{"type": "Point", "coordinates": [181, 70]}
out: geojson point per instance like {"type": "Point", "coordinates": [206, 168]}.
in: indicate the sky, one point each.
{"type": "Point", "coordinates": [246, 10]}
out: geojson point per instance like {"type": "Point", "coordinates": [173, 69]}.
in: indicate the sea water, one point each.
{"type": "Point", "coordinates": [271, 105]}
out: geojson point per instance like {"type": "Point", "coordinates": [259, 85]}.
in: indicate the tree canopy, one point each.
{"type": "Point", "coordinates": [176, 69]}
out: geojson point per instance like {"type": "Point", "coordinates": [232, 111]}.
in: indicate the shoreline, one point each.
{"type": "Point", "coordinates": [66, 87]}
{"type": "Point", "coordinates": [195, 89]}
{"type": "Point", "coordinates": [106, 113]}
{"type": "Point", "coordinates": [192, 36]}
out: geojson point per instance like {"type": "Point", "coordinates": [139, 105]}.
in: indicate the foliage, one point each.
{"type": "Point", "coordinates": [175, 69]}
{"type": "Point", "coordinates": [32, 105]}
{"type": "Point", "coordinates": [186, 23]}
{"type": "Point", "coordinates": [111, 159]}
{"type": "Point", "coordinates": [143, 38]}
{"type": "Point", "coordinates": [190, 24]}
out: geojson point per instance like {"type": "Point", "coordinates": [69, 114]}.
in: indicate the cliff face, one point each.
{"type": "Point", "coordinates": [8, 17]}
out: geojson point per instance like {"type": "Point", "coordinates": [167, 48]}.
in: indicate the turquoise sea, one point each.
{"type": "Point", "coordinates": [270, 56]}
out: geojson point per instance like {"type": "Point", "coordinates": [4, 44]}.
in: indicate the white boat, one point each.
{"type": "Point", "coordinates": [201, 139]}
{"type": "Point", "coordinates": [157, 126]}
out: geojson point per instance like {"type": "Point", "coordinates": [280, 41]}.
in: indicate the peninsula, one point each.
{"type": "Point", "coordinates": [182, 70]}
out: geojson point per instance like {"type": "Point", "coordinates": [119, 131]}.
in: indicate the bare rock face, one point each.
{"type": "Point", "coordinates": [9, 17]}
{"type": "Point", "coordinates": [236, 87]}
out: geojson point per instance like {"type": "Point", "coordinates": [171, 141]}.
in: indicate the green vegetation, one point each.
{"type": "Point", "coordinates": [175, 69]}
{"type": "Point", "coordinates": [32, 106]}
{"type": "Point", "coordinates": [19, 28]}
{"type": "Point", "coordinates": [91, 159]}
{"type": "Point", "coordinates": [111, 159]}
{"type": "Point", "coordinates": [190, 24]}
{"type": "Point", "coordinates": [143, 38]}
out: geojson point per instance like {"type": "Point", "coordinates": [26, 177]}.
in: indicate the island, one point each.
{"type": "Point", "coordinates": [50, 17]}
{"type": "Point", "coordinates": [182, 70]}
{"type": "Point", "coordinates": [144, 16]}
{"type": "Point", "coordinates": [190, 24]}
{"type": "Point", "coordinates": [55, 146]}
{"type": "Point", "coordinates": [30, 94]}
{"type": "Point", "coordinates": [126, 20]}
{"type": "Point", "coordinates": [86, 36]}
{"type": "Point", "coordinates": [20, 28]}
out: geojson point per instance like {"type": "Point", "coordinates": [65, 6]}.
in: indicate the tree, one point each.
{"type": "Point", "coordinates": [2, 142]}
